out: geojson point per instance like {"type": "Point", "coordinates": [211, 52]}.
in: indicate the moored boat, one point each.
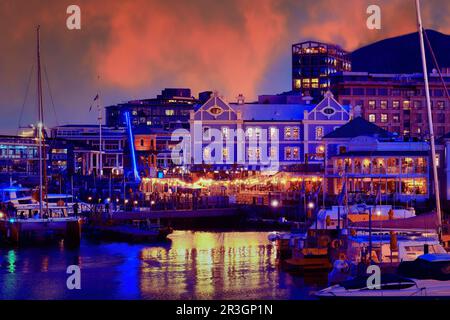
{"type": "Point", "coordinates": [427, 276]}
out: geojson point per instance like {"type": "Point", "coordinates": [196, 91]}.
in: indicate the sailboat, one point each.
{"type": "Point", "coordinates": [41, 224]}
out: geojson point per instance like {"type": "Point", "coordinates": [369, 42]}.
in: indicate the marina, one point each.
{"type": "Point", "coordinates": [338, 189]}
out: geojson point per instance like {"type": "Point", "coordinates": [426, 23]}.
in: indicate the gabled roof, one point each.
{"type": "Point", "coordinates": [358, 127]}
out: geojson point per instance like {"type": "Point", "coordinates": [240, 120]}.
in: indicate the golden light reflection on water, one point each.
{"type": "Point", "coordinates": [203, 265]}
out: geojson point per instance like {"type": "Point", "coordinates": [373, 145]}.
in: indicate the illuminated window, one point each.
{"type": "Point", "coordinates": [372, 117]}
{"type": "Point", "coordinates": [297, 84]}
{"type": "Point", "coordinates": [319, 133]}
{"type": "Point", "coordinates": [273, 132]}
{"type": "Point", "coordinates": [384, 117]}
{"type": "Point", "coordinates": [295, 133]}
{"type": "Point", "coordinates": [254, 153]}
{"type": "Point", "coordinates": [225, 153]}
{"type": "Point", "coordinates": [295, 153]}
{"type": "Point", "coordinates": [395, 118]}
{"type": "Point", "coordinates": [406, 105]}
{"type": "Point", "coordinates": [273, 152]}
{"type": "Point", "coordinates": [314, 83]}
{"type": "Point", "coordinates": [170, 112]}
{"type": "Point", "coordinates": [250, 132]}
{"type": "Point", "coordinates": [395, 104]}
{"type": "Point", "coordinates": [225, 132]}
{"type": "Point", "coordinates": [383, 104]}
{"type": "Point", "coordinates": [207, 153]}
{"type": "Point", "coordinates": [372, 104]}
{"type": "Point", "coordinates": [258, 133]}
{"type": "Point", "coordinates": [287, 133]}
{"type": "Point", "coordinates": [287, 153]}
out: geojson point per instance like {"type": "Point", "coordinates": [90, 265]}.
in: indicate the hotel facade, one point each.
{"type": "Point", "coordinates": [289, 134]}
{"type": "Point", "coordinates": [370, 159]}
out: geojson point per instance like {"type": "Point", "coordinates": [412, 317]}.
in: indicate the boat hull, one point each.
{"type": "Point", "coordinates": [37, 231]}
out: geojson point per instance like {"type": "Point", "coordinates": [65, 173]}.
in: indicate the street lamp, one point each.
{"type": "Point", "coordinates": [311, 205]}
{"type": "Point", "coordinates": [275, 203]}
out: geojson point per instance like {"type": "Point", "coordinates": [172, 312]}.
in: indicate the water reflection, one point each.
{"type": "Point", "coordinates": [193, 265]}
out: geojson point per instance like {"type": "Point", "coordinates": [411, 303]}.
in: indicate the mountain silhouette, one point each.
{"type": "Point", "coordinates": [402, 54]}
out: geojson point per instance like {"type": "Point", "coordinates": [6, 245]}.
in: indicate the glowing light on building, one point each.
{"type": "Point", "coordinates": [132, 151]}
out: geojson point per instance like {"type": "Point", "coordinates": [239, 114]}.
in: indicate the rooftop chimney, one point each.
{"type": "Point", "coordinates": [240, 99]}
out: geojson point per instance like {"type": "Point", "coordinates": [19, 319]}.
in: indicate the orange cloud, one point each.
{"type": "Point", "coordinates": [150, 41]}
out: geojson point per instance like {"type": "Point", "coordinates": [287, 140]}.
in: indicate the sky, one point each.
{"type": "Point", "coordinates": [133, 49]}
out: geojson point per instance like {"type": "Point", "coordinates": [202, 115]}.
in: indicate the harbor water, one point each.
{"type": "Point", "coordinates": [191, 265]}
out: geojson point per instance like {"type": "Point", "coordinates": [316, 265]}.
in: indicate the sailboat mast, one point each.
{"type": "Point", "coordinates": [430, 118]}
{"type": "Point", "coordinates": [40, 125]}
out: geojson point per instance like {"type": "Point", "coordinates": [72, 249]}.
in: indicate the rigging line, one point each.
{"type": "Point", "coordinates": [51, 95]}
{"type": "Point", "coordinates": [25, 98]}
{"type": "Point", "coordinates": [436, 64]}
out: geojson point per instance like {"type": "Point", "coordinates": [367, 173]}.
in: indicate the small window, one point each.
{"type": "Point", "coordinates": [396, 104]}
{"type": "Point", "coordinates": [288, 153]}
{"type": "Point", "coordinates": [287, 133]}
{"type": "Point", "coordinates": [372, 117]}
{"type": "Point", "coordinates": [319, 133]}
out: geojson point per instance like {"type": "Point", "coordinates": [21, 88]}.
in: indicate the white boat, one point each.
{"type": "Point", "coordinates": [26, 205]}
{"type": "Point", "coordinates": [327, 219]}
{"type": "Point", "coordinates": [427, 276]}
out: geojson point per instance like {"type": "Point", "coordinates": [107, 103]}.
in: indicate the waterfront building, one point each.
{"type": "Point", "coordinates": [371, 159]}
{"type": "Point", "coordinates": [86, 148]}
{"type": "Point", "coordinates": [18, 157]}
{"type": "Point", "coordinates": [168, 111]}
{"type": "Point", "coordinates": [312, 65]}
{"type": "Point", "coordinates": [145, 151]}
{"type": "Point", "coordinates": [443, 165]}
{"type": "Point", "coordinates": [290, 134]}
{"type": "Point", "coordinates": [396, 102]}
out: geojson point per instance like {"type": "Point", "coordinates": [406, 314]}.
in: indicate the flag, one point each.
{"type": "Point", "coordinates": [95, 99]}
{"type": "Point", "coordinates": [342, 197]}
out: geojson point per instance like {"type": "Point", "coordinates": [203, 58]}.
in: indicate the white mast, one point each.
{"type": "Point", "coordinates": [40, 125]}
{"type": "Point", "coordinates": [430, 117]}
{"type": "Point", "coordinates": [100, 119]}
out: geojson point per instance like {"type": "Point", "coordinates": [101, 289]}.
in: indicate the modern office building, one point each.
{"type": "Point", "coordinates": [396, 102]}
{"type": "Point", "coordinates": [168, 111]}
{"type": "Point", "coordinates": [312, 65]}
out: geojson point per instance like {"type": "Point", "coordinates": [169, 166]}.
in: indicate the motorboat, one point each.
{"type": "Point", "coordinates": [427, 276]}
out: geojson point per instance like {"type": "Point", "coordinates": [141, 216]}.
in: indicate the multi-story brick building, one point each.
{"type": "Point", "coordinates": [396, 102]}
